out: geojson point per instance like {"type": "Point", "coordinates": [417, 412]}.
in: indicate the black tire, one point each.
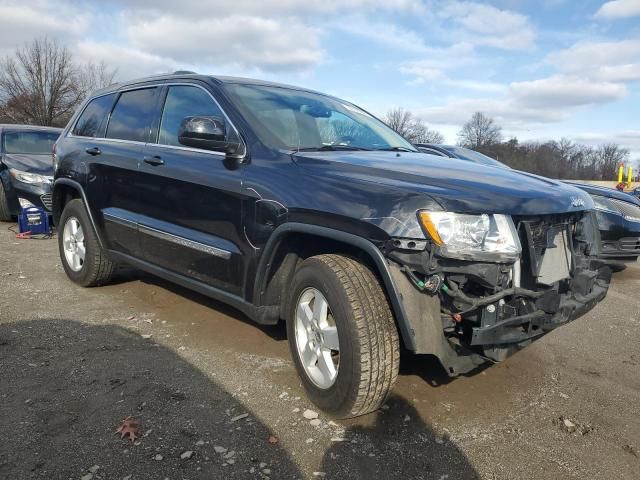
{"type": "Point", "coordinates": [97, 269]}
{"type": "Point", "coordinates": [368, 337]}
{"type": "Point", "coordinates": [5, 211]}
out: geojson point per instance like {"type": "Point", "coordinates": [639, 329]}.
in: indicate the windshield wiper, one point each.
{"type": "Point", "coordinates": [330, 148]}
{"type": "Point", "coordinates": [396, 149]}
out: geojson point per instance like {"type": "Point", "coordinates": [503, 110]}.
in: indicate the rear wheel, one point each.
{"type": "Point", "coordinates": [5, 212]}
{"type": "Point", "coordinates": [342, 335]}
{"type": "Point", "coordinates": [84, 261]}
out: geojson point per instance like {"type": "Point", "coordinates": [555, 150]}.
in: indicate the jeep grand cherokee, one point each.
{"type": "Point", "coordinates": [291, 204]}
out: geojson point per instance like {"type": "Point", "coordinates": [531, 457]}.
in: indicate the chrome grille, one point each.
{"type": "Point", "coordinates": [47, 201]}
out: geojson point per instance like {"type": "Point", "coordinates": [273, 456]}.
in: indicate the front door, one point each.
{"type": "Point", "coordinates": [191, 219]}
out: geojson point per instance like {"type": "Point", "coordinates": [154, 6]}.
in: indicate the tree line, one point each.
{"type": "Point", "coordinates": [562, 158]}
{"type": "Point", "coordinates": [43, 84]}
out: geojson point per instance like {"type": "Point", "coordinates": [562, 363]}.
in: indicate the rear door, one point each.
{"type": "Point", "coordinates": [190, 220]}
{"type": "Point", "coordinates": [114, 174]}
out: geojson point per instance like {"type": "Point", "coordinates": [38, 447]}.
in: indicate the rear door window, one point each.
{"type": "Point", "coordinates": [133, 115]}
{"type": "Point", "coordinates": [93, 117]}
{"type": "Point", "coordinates": [184, 101]}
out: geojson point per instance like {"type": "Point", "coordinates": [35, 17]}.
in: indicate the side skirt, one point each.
{"type": "Point", "coordinates": [262, 315]}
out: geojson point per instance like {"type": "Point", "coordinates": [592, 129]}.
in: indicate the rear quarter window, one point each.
{"type": "Point", "coordinates": [93, 118]}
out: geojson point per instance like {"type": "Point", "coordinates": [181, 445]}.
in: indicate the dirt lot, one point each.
{"type": "Point", "coordinates": [200, 378]}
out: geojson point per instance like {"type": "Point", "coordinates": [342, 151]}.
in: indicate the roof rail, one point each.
{"type": "Point", "coordinates": [183, 72]}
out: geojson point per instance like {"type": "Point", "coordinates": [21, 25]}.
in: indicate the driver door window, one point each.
{"type": "Point", "coordinates": [184, 101]}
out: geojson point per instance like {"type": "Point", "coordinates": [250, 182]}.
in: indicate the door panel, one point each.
{"type": "Point", "coordinates": [191, 202]}
{"type": "Point", "coordinates": [116, 175]}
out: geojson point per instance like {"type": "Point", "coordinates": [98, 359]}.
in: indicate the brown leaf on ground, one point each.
{"type": "Point", "coordinates": [130, 427]}
{"type": "Point", "coordinates": [273, 440]}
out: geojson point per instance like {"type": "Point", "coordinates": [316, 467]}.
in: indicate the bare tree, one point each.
{"type": "Point", "coordinates": [424, 134]}
{"type": "Point", "coordinates": [43, 77]}
{"type": "Point", "coordinates": [609, 157]}
{"type": "Point", "coordinates": [400, 120]}
{"type": "Point", "coordinates": [480, 131]}
{"type": "Point", "coordinates": [93, 76]}
{"type": "Point", "coordinates": [410, 127]}
{"type": "Point", "coordinates": [40, 84]}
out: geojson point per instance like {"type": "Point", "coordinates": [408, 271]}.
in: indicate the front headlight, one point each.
{"type": "Point", "coordinates": [27, 177]}
{"type": "Point", "coordinates": [478, 237]}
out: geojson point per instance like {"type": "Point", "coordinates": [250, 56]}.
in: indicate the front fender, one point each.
{"type": "Point", "coordinates": [381, 263]}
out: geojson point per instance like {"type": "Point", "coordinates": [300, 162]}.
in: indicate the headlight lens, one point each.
{"type": "Point", "coordinates": [27, 177]}
{"type": "Point", "coordinates": [605, 204]}
{"type": "Point", "coordinates": [24, 203]}
{"type": "Point", "coordinates": [464, 236]}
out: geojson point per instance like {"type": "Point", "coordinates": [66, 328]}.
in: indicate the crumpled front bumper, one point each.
{"type": "Point", "coordinates": [588, 288]}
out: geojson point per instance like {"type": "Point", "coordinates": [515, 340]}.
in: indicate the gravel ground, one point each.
{"type": "Point", "coordinates": [217, 397]}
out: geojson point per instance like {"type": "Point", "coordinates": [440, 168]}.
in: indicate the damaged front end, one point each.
{"type": "Point", "coordinates": [488, 308]}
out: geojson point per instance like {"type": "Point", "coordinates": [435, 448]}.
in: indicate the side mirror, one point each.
{"type": "Point", "coordinates": [208, 133]}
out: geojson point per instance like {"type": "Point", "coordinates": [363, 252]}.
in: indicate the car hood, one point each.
{"type": "Point", "coordinates": [606, 192]}
{"type": "Point", "coordinates": [458, 185]}
{"type": "Point", "coordinates": [33, 163]}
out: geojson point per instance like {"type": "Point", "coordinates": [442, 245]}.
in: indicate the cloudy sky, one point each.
{"type": "Point", "coordinates": [543, 68]}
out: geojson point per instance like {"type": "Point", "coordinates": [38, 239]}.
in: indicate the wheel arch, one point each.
{"type": "Point", "coordinates": [292, 242]}
{"type": "Point", "coordinates": [64, 190]}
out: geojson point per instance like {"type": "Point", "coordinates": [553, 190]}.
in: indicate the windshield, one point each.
{"type": "Point", "coordinates": [473, 156]}
{"type": "Point", "coordinates": [297, 120]}
{"type": "Point", "coordinates": [29, 142]}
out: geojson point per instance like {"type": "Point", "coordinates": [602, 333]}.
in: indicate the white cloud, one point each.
{"type": "Point", "coordinates": [490, 26]}
{"type": "Point", "coordinates": [218, 8]}
{"type": "Point", "coordinates": [560, 92]}
{"type": "Point", "coordinates": [386, 34]}
{"type": "Point", "coordinates": [619, 9]}
{"type": "Point", "coordinates": [241, 41]}
{"type": "Point", "coordinates": [525, 104]}
{"type": "Point", "coordinates": [606, 60]}
{"type": "Point", "coordinates": [23, 22]}
{"type": "Point", "coordinates": [437, 61]}
{"type": "Point", "coordinates": [130, 62]}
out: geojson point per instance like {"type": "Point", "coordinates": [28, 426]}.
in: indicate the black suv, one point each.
{"type": "Point", "coordinates": [290, 204]}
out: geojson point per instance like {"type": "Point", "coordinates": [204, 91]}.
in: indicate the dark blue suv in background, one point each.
{"type": "Point", "coordinates": [618, 213]}
{"type": "Point", "coordinates": [293, 205]}
{"type": "Point", "coordinates": [26, 172]}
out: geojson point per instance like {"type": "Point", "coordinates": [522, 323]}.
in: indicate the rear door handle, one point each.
{"type": "Point", "coordinates": [155, 160]}
{"type": "Point", "coordinates": [93, 151]}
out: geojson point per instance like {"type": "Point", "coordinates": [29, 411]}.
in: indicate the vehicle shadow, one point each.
{"type": "Point", "coordinates": [395, 443]}
{"type": "Point", "coordinates": [66, 385]}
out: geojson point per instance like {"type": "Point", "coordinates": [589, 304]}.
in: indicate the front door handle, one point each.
{"type": "Point", "coordinates": [155, 160]}
{"type": "Point", "coordinates": [93, 151]}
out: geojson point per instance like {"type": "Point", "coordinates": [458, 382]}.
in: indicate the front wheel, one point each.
{"type": "Point", "coordinates": [84, 261]}
{"type": "Point", "coordinates": [342, 335]}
